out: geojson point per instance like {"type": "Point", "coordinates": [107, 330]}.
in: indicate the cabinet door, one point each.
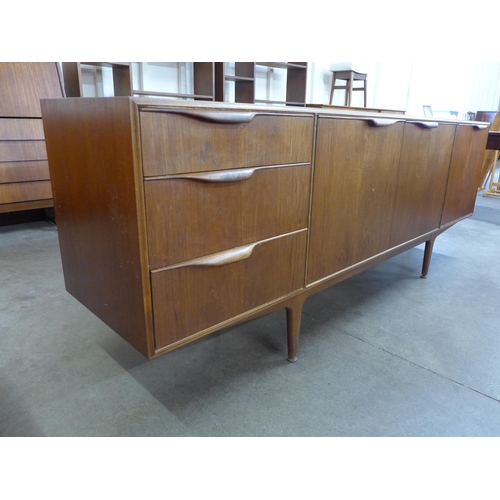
{"type": "Point", "coordinates": [423, 174]}
{"type": "Point", "coordinates": [354, 192]}
{"type": "Point", "coordinates": [465, 172]}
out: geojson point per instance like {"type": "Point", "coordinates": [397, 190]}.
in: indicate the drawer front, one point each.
{"type": "Point", "coordinates": [175, 143]}
{"type": "Point", "coordinates": [191, 216]}
{"type": "Point", "coordinates": [16, 192]}
{"type": "Point", "coordinates": [202, 293]}
{"type": "Point", "coordinates": [22, 150]}
{"type": "Point", "coordinates": [21, 171]}
{"type": "Point", "coordinates": [21, 129]}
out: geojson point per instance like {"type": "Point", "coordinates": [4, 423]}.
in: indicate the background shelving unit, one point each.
{"type": "Point", "coordinates": [244, 79]}
{"type": "Point", "coordinates": [123, 80]}
{"type": "Point", "coordinates": [296, 79]}
{"type": "Point", "coordinates": [211, 81]}
{"type": "Point", "coordinates": [202, 80]}
{"type": "Point", "coordinates": [73, 78]}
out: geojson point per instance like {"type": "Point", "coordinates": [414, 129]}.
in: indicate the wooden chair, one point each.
{"type": "Point", "coordinates": [350, 77]}
{"type": "Point", "coordinates": [490, 162]}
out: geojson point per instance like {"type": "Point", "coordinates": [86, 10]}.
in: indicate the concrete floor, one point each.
{"type": "Point", "coordinates": [384, 353]}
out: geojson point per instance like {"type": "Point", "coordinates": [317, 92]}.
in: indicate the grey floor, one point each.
{"type": "Point", "coordinates": [384, 353]}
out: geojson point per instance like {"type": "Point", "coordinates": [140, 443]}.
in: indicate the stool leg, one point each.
{"type": "Point", "coordinates": [348, 92]}
{"type": "Point", "coordinates": [364, 90]}
{"type": "Point", "coordinates": [334, 78]}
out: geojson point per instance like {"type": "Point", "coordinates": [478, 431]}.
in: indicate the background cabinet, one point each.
{"type": "Point", "coordinates": [24, 170]}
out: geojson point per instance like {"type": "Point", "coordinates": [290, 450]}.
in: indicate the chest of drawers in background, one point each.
{"type": "Point", "coordinates": [24, 169]}
{"type": "Point", "coordinates": [177, 219]}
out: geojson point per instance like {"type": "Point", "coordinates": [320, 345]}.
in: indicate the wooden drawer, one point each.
{"type": "Point", "coordinates": [199, 214]}
{"type": "Point", "coordinates": [21, 129]}
{"type": "Point", "coordinates": [201, 293]}
{"type": "Point", "coordinates": [21, 171]}
{"type": "Point", "coordinates": [16, 192]}
{"type": "Point", "coordinates": [22, 150]}
{"type": "Point", "coordinates": [182, 141]}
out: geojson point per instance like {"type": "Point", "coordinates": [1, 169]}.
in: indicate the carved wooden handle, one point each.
{"type": "Point", "coordinates": [221, 258]}
{"type": "Point", "coordinates": [240, 174]}
{"type": "Point", "coordinates": [383, 122]}
{"type": "Point", "coordinates": [218, 116]}
{"type": "Point", "coordinates": [426, 124]}
{"type": "Point", "coordinates": [480, 126]}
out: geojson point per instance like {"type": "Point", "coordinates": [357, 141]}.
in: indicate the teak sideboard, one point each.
{"type": "Point", "coordinates": [178, 218]}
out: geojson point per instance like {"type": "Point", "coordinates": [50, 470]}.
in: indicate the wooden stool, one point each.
{"type": "Point", "coordinates": [350, 77]}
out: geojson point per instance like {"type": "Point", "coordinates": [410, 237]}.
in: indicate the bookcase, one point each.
{"type": "Point", "coordinates": [209, 81]}
{"type": "Point", "coordinates": [123, 81]}
{"type": "Point", "coordinates": [244, 78]}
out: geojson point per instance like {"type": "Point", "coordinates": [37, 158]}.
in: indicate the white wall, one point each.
{"type": "Point", "coordinates": [445, 86]}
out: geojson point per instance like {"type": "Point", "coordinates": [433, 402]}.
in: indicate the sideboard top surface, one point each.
{"type": "Point", "coordinates": [158, 104]}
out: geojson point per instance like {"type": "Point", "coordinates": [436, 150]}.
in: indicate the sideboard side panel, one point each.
{"type": "Point", "coordinates": [90, 150]}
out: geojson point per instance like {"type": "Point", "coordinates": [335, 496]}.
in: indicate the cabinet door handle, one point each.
{"type": "Point", "coordinates": [426, 124]}
{"type": "Point", "coordinates": [383, 122]}
{"type": "Point", "coordinates": [236, 175]}
{"type": "Point", "coordinates": [480, 126]}
{"type": "Point", "coordinates": [221, 258]}
{"type": "Point", "coordinates": [218, 116]}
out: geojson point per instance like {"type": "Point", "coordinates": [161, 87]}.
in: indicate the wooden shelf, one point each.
{"type": "Point", "coordinates": [283, 65]}
{"type": "Point", "coordinates": [173, 94]}
{"type": "Point", "coordinates": [235, 78]}
{"type": "Point", "coordinates": [286, 103]}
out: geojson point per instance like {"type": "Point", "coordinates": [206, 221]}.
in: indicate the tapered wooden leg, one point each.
{"type": "Point", "coordinates": [427, 256]}
{"type": "Point", "coordinates": [293, 318]}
